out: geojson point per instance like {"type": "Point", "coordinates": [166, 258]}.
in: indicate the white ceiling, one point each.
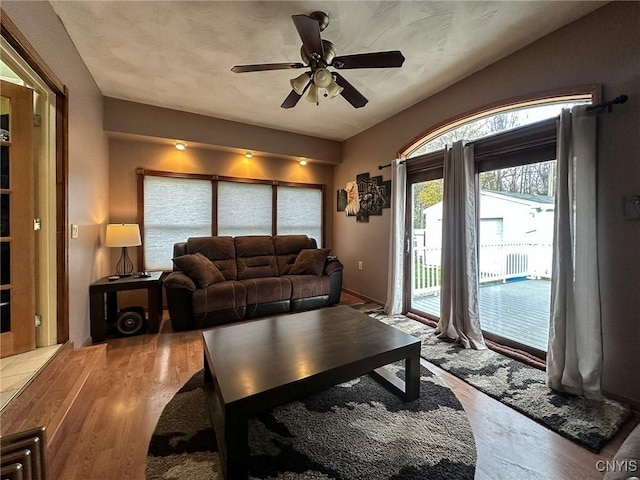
{"type": "Point", "coordinates": [179, 54]}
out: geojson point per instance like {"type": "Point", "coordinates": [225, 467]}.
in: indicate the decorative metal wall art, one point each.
{"type": "Point", "coordinates": [364, 197]}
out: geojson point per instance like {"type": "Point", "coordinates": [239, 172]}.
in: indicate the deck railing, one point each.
{"type": "Point", "coordinates": [497, 262]}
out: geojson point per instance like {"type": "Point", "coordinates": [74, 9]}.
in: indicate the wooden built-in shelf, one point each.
{"type": "Point", "coordinates": [5, 287]}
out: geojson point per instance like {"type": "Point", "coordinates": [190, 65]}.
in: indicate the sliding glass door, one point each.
{"type": "Point", "coordinates": [426, 243]}
{"type": "Point", "coordinates": [515, 252]}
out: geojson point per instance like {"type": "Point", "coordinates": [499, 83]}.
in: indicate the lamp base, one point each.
{"type": "Point", "coordinates": [124, 267]}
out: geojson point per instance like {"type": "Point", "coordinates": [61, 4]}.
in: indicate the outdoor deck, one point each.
{"type": "Point", "coordinates": [516, 310]}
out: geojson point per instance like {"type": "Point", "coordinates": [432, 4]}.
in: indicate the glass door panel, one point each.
{"type": "Point", "coordinates": [426, 246]}
{"type": "Point", "coordinates": [515, 251]}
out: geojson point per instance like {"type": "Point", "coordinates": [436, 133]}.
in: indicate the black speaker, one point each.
{"type": "Point", "coordinates": [131, 321]}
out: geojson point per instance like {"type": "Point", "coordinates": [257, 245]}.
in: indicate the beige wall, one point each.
{"type": "Point", "coordinates": [601, 48]}
{"type": "Point", "coordinates": [123, 116]}
{"type": "Point", "coordinates": [88, 155]}
{"type": "Point", "coordinates": [129, 153]}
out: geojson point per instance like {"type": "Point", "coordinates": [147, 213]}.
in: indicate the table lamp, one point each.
{"type": "Point", "coordinates": [123, 235]}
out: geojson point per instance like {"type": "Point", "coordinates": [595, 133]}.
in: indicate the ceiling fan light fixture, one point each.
{"type": "Point", "coordinates": [312, 96]}
{"type": "Point", "coordinates": [300, 83]}
{"type": "Point", "coordinates": [333, 90]}
{"type": "Point", "coordinates": [322, 78]}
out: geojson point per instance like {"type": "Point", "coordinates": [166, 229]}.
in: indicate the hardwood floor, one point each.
{"type": "Point", "coordinates": [139, 375]}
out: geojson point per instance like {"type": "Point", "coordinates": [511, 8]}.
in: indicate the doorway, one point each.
{"type": "Point", "coordinates": [46, 219]}
{"type": "Point", "coordinates": [43, 211]}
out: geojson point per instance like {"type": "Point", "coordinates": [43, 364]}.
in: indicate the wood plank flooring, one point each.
{"type": "Point", "coordinates": [125, 396]}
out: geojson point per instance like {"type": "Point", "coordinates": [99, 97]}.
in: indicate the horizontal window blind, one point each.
{"type": "Point", "coordinates": [244, 209]}
{"type": "Point", "coordinates": [174, 210]}
{"type": "Point", "coordinates": [299, 212]}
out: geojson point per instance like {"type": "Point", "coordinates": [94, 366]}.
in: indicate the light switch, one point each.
{"type": "Point", "coordinates": [74, 230]}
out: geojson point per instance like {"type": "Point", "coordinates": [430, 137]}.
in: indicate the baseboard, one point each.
{"type": "Point", "coordinates": [363, 297]}
{"type": "Point", "coordinates": [634, 404]}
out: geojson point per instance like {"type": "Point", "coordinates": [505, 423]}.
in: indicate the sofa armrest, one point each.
{"type": "Point", "coordinates": [332, 266]}
{"type": "Point", "coordinates": [179, 289]}
{"type": "Point", "coordinates": [179, 280]}
{"type": "Point", "coordinates": [333, 269]}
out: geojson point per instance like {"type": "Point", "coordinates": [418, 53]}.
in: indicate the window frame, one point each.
{"type": "Point", "coordinates": [215, 179]}
{"type": "Point", "coordinates": [523, 145]}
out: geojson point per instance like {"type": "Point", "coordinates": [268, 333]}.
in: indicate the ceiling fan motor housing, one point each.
{"type": "Point", "coordinates": [322, 18]}
{"type": "Point", "coordinates": [329, 54]}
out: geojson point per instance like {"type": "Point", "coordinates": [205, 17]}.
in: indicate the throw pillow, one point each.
{"type": "Point", "coordinates": [200, 269]}
{"type": "Point", "coordinates": [310, 261]}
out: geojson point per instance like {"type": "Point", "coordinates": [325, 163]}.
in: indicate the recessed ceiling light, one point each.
{"type": "Point", "coordinates": [303, 162]}
{"type": "Point", "coordinates": [180, 145]}
{"type": "Point", "coordinates": [248, 154]}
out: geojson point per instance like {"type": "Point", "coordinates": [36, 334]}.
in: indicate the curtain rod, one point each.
{"type": "Point", "coordinates": [608, 105]}
{"type": "Point", "coordinates": [380, 167]}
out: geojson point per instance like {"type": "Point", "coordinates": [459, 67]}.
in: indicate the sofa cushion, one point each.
{"type": "Point", "coordinates": [219, 296]}
{"type": "Point", "coordinates": [220, 250]}
{"type": "Point", "coordinates": [266, 290]}
{"type": "Point", "coordinates": [255, 256]}
{"type": "Point", "coordinates": [310, 262]}
{"type": "Point", "coordinates": [287, 248]}
{"type": "Point", "coordinates": [199, 268]}
{"type": "Point", "coordinates": [305, 286]}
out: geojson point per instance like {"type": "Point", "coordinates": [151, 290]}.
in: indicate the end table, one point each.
{"type": "Point", "coordinates": [104, 287]}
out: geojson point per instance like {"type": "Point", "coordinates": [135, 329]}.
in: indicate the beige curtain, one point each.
{"type": "Point", "coordinates": [396, 238]}
{"type": "Point", "coordinates": [574, 357]}
{"type": "Point", "coordinates": [459, 315]}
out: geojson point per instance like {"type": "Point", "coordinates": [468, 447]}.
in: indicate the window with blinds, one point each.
{"type": "Point", "coordinates": [174, 210]}
{"type": "Point", "coordinates": [299, 212]}
{"type": "Point", "coordinates": [244, 209]}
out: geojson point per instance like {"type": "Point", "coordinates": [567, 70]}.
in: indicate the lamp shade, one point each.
{"type": "Point", "coordinates": [322, 78]}
{"type": "Point", "coordinates": [312, 96]}
{"type": "Point", "coordinates": [333, 90]}
{"type": "Point", "coordinates": [122, 235]}
{"type": "Point", "coordinates": [299, 83]}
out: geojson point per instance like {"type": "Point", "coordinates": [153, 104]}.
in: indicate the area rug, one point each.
{"type": "Point", "coordinates": [589, 423]}
{"type": "Point", "coordinates": [356, 430]}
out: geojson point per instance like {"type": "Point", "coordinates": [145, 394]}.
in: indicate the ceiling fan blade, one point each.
{"type": "Point", "coordinates": [265, 66]}
{"type": "Point", "coordinates": [350, 93]}
{"type": "Point", "coordinates": [292, 99]}
{"type": "Point", "coordinates": [370, 60]}
{"type": "Point", "coordinates": [309, 31]}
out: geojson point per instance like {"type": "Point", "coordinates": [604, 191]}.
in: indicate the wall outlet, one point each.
{"type": "Point", "coordinates": [74, 231]}
{"type": "Point", "coordinates": [360, 265]}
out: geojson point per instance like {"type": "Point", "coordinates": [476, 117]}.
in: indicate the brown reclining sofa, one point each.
{"type": "Point", "coordinates": [219, 280]}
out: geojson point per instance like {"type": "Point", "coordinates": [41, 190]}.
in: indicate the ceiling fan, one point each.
{"type": "Point", "coordinates": [317, 55]}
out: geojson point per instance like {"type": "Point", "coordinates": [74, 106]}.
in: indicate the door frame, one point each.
{"type": "Point", "coordinates": [10, 32]}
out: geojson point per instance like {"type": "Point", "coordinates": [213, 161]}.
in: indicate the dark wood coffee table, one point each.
{"type": "Point", "coordinates": [254, 366]}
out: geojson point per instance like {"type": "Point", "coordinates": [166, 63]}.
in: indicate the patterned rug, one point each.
{"type": "Point", "coordinates": [356, 430]}
{"type": "Point", "coordinates": [589, 423]}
